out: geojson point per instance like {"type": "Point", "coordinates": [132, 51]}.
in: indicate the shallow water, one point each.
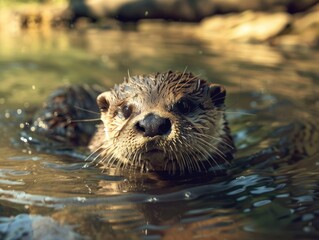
{"type": "Point", "coordinates": [271, 189]}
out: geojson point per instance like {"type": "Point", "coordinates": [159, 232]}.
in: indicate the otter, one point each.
{"type": "Point", "coordinates": [170, 122]}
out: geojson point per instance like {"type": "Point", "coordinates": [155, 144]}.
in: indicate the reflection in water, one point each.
{"type": "Point", "coordinates": [270, 190]}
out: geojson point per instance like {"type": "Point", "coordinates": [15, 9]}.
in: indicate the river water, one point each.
{"type": "Point", "coordinates": [271, 189]}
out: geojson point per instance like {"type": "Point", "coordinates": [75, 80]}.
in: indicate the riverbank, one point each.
{"type": "Point", "coordinates": [281, 27]}
{"type": "Point", "coordinates": [16, 16]}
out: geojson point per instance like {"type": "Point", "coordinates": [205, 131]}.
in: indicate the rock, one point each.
{"type": "Point", "coordinates": [295, 6]}
{"type": "Point", "coordinates": [245, 27]}
{"type": "Point", "coordinates": [307, 20]}
{"type": "Point", "coordinates": [179, 10]}
{"type": "Point", "coordinates": [303, 32]}
{"type": "Point", "coordinates": [36, 227]}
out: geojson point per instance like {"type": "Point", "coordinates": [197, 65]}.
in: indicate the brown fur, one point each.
{"type": "Point", "coordinates": [199, 136]}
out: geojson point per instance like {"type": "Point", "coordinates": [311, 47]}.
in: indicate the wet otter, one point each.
{"type": "Point", "coordinates": [165, 122]}
{"type": "Point", "coordinates": [169, 121]}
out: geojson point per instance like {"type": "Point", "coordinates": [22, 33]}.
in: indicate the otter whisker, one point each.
{"type": "Point", "coordinates": [204, 158]}
{"type": "Point", "coordinates": [180, 163]}
{"type": "Point", "coordinates": [136, 158]}
{"type": "Point", "coordinates": [209, 145]}
{"type": "Point", "coordinates": [195, 158]}
{"type": "Point", "coordinates": [94, 152]}
{"type": "Point", "coordinates": [142, 164]}
{"type": "Point", "coordinates": [183, 162]}
{"type": "Point", "coordinates": [208, 156]}
{"type": "Point", "coordinates": [191, 165]}
{"type": "Point", "coordinates": [97, 163]}
{"type": "Point", "coordinates": [133, 163]}
{"type": "Point", "coordinates": [88, 157]}
{"type": "Point", "coordinates": [108, 160]}
{"type": "Point", "coordinates": [242, 113]}
{"type": "Point", "coordinates": [189, 161]}
{"type": "Point", "coordinates": [217, 151]}
{"type": "Point", "coordinates": [224, 142]}
{"type": "Point", "coordinates": [218, 139]}
{"type": "Point", "coordinates": [85, 120]}
{"type": "Point", "coordinates": [86, 110]}
{"type": "Point", "coordinates": [173, 158]}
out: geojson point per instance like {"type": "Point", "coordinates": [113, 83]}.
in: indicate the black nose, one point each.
{"type": "Point", "coordinates": [153, 125]}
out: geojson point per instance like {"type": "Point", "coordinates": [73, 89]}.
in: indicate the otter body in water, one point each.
{"type": "Point", "coordinates": [172, 122]}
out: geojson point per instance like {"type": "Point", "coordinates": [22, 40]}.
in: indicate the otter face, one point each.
{"type": "Point", "coordinates": [171, 121]}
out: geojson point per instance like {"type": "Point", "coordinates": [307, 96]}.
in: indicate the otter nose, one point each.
{"type": "Point", "coordinates": [153, 125]}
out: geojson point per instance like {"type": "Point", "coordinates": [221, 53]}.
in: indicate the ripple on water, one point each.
{"type": "Point", "coordinates": [266, 193]}
{"type": "Point", "coordinates": [25, 158]}
{"type": "Point", "coordinates": [261, 203]}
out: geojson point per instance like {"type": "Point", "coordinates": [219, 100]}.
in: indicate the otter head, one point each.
{"type": "Point", "coordinates": [172, 122]}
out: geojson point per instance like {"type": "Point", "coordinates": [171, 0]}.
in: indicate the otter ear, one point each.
{"type": "Point", "coordinates": [103, 101]}
{"type": "Point", "coordinates": [217, 94]}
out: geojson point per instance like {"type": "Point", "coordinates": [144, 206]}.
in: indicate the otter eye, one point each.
{"type": "Point", "coordinates": [124, 112]}
{"type": "Point", "coordinates": [127, 111]}
{"type": "Point", "coordinates": [184, 106]}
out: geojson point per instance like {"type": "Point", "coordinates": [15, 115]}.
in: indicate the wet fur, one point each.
{"type": "Point", "coordinates": [198, 141]}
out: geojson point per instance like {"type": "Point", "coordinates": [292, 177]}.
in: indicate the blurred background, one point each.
{"type": "Point", "coordinates": [46, 43]}
{"type": "Point", "coordinates": [265, 52]}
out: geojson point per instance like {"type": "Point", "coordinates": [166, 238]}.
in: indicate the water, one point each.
{"type": "Point", "coordinates": [271, 190]}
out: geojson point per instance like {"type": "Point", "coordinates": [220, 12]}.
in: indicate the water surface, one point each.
{"type": "Point", "coordinates": [271, 189]}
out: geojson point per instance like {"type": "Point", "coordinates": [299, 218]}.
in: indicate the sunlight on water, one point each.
{"type": "Point", "coordinates": [270, 191]}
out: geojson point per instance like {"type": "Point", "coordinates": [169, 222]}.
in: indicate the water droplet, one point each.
{"type": "Point", "coordinates": [146, 13]}
{"type": "Point", "coordinates": [7, 115]}
{"type": "Point", "coordinates": [187, 194]}
{"type": "Point", "coordinates": [152, 199]}
{"type": "Point", "coordinates": [86, 165]}
{"type": "Point", "coordinates": [19, 111]}
{"type": "Point", "coordinates": [81, 199]}
{"type": "Point", "coordinates": [21, 125]}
